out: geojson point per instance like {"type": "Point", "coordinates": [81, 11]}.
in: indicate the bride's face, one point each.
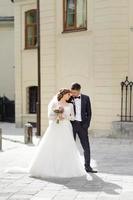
{"type": "Point", "coordinates": [67, 96]}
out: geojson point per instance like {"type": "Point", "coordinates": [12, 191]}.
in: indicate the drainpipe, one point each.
{"type": "Point", "coordinates": [38, 133]}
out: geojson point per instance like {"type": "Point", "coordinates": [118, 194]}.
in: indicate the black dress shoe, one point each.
{"type": "Point", "coordinates": [90, 170]}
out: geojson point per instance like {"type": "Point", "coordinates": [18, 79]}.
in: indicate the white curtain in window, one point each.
{"type": "Point", "coordinates": [81, 13]}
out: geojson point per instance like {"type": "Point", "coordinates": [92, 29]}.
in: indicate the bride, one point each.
{"type": "Point", "coordinates": [57, 154]}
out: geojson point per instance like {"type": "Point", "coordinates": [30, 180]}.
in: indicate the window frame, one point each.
{"type": "Point", "coordinates": [30, 103]}
{"type": "Point", "coordinates": [26, 30]}
{"type": "Point", "coordinates": [74, 28]}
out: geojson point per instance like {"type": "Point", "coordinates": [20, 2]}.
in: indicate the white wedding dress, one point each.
{"type": "Point", "coordinates": [57, 154]}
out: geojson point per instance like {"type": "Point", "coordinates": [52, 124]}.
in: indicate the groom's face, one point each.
{"type": "Point", "coordinates": [75, 93]}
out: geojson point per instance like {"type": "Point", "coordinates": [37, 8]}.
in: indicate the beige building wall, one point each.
{"type": "Point", "coordinates": [7, 86]}
{"type": "Point", "coordinates": [130, 74]}
{"type": "Point", "coordinates": [48, 56]}
{"type": "Point", "coordinates": [111, 58]}
{"type": "Point", "coordinates": [26, 64]}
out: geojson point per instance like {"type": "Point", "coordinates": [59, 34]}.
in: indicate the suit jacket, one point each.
{"type": "Point", "coordinates": [86, 112]}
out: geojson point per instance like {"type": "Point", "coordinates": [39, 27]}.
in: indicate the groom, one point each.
{"type": "Point", "coordinates": [82, 110]}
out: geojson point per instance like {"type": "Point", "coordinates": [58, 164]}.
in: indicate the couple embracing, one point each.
{"type": "Point", "coordinates": [57, 155]}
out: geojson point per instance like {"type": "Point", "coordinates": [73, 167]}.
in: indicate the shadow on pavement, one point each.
{"type": "Point", "coordinates": [82, 184]}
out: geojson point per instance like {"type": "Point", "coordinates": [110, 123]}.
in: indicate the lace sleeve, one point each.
{"type": "Point", "coordinates": [51, 114]}
{"type": "Point", "coordinates": [52, 104]}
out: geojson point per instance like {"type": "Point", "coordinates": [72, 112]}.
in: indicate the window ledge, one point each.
{"type": "Point", "coordinates": [29, 114]}
{"type": "Point", "coordinates": [30, 48]}
{"type": "Point", "coordinates": [74, 30]}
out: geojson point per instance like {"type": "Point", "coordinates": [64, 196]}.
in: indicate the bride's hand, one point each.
{"type": "Point", "coordinates": [61, 117]}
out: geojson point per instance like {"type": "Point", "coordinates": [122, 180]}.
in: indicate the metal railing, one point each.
{"type": "Point", "coordinates": [126, 101]}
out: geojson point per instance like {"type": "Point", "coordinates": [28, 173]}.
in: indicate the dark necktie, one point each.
{"type": "Point", "coordinates": [74, 107]}
{"type": "Point", "coordinates": [77, 97]}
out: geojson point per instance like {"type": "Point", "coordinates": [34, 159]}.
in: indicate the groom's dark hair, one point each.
{"type": "Point", "coordinates": [75, 86]}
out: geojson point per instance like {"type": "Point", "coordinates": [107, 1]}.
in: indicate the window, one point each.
{"type": "Point", "coordinates": [75, 15]}
{"type": "Point", "coordinates": [31, 29]}
{"type": "Point", "coordinates": [32, 99]}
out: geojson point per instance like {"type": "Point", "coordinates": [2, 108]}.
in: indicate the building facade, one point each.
{"type": "Point", "coordinates": [88, 41]}
{"type": "Point", "coordinates": [7, 86]}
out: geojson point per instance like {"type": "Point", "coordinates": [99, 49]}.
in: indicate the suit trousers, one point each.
{"type": "Point", "coordinates": [84, 140]}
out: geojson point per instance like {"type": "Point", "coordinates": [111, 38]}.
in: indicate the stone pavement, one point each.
{"type": "Point", "coordinates": [112, 157]}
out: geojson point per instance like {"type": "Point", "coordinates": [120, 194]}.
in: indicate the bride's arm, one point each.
{"type": "Point", "coordinates": [51, 113]}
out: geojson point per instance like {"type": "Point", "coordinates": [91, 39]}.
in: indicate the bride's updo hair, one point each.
{"type": "Point", "coordinates": [61, 93]}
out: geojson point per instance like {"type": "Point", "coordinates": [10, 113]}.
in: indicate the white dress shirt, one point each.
{"type": "Point", "coordinates": [78, 109]}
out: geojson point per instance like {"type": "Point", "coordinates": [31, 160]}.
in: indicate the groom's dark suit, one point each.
{"type": "Point", "coordinates": [81, 127]}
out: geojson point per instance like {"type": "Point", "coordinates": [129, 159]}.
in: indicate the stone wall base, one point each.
{"type": "Point", "coordinates": [122, 129]}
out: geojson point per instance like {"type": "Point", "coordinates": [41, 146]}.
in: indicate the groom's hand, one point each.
{"type": "Point", "coordinates": [85, 126]}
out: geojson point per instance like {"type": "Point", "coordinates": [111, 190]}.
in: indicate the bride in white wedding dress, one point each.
{"type": "Point", "coordinates": [57, 154]}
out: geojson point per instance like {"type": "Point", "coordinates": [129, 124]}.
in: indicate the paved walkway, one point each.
{"type": "Point", "coordinates": [112, 157]}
